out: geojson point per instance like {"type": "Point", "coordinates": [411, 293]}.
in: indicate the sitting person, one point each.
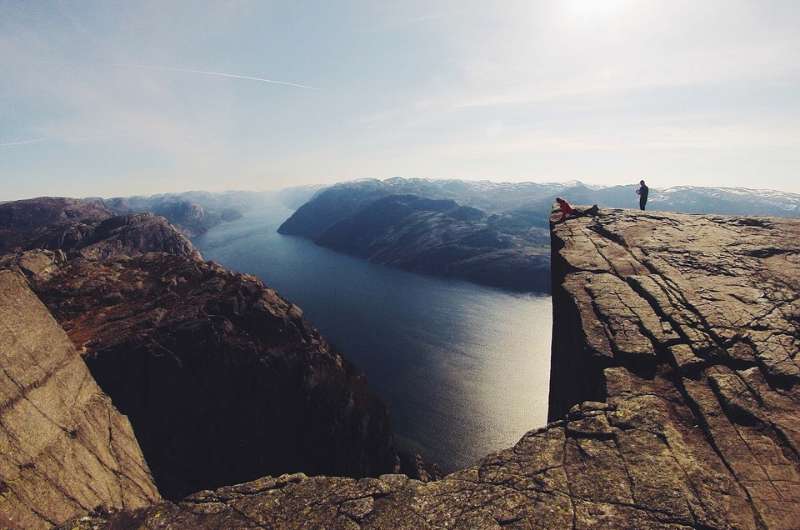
{"type": "Point", "coordinates": [565, 207]}
{"type": "Point", "coordinates": [568, 211]}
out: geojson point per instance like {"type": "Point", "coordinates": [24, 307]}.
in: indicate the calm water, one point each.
{"type": "Point", "coordinates": [463, 368]}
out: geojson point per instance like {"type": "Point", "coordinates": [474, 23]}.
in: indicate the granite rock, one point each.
{"type": "Point", "coordinates": [65, 448]}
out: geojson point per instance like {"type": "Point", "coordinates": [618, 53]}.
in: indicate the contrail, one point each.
{"type": "Point", "coordinates": [23, 142]}
{"type": "Point", "coordinates": [216, 74]}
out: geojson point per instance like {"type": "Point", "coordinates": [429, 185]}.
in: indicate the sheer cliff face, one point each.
{"type": "Point", "coordinates": [690, 327]}
{"type": "Point", "coordinates": [695, 293]}
{"type": "Point", "coordinates": [64, 448]}
{"type": "Point", "coordinates": [682, 330]}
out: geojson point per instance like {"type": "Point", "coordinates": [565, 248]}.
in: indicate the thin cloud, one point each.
{"type": "Point", "coordinates": [23, 142]}
{"type": "Point", "coordinates": [216, 74]}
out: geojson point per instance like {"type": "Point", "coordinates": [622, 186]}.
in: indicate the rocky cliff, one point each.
{"type": "Point", "coordinates": [222, 379]}
{"type": "Point", "coordinates": [674, 401]}
{"type": "Point", "coordinates": [694, 320]}
{"type": "Point", "coordinates": [65, 449]}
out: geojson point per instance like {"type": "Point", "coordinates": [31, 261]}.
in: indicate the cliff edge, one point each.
{"type": "Point", "coordinates": [692, 322]}
{"type": "Point", "coordinates": [674, 397]}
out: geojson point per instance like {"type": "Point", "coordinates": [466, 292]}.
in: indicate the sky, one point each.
{"type": "Point", "coordinates": [109, 98]}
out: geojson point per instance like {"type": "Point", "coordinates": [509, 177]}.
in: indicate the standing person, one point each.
{"type": "Point", "coordinates": [642, 193]}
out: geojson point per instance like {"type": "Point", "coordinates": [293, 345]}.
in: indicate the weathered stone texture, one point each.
{"type": "Point", "coordinates": [698, 318]}
{"type": "Point", "coordinates": [64, 448]}
{"type": "Point", "coordinates": [674, 392]}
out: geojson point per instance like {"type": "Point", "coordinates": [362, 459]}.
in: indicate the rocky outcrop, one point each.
{"type": "Point", "coordinates": [690, 325]}
{"type": "Point", "coordinates": [64, 448]}
{"type": "Point", "coordinates": [680, 331]}
{"type": "Point", "coordinates": [34, 263]}
{"type": "Point", "coordinates": [223, 379]}
{"type": "Point", "coordinates": [432, 236]}
{"type": "Point", "coordinates": [134, 235]}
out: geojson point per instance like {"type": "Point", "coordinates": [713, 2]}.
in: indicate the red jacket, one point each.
{"type": "Point", "coordinates": [565, 207]}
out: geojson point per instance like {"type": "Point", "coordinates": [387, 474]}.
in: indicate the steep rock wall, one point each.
{"type": "Point", "coordinates": [698, 317]}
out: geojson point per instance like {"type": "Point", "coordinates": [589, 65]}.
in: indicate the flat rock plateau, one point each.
{"type": "Point", "coordinates": [674, 388]}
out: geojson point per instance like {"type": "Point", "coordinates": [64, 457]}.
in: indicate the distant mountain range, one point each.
{"type": "Point", "coordinates": [419, 224]}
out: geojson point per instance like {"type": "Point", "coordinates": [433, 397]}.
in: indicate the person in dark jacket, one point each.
{"type": "Point", "coordinates": [642, 193]}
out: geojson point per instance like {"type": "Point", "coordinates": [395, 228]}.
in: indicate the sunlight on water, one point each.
{"type": "Point", "coordinates": [463, 368]}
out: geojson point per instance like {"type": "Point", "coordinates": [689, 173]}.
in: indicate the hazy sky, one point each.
{"type": "Point", "coordinates": [123, 97]}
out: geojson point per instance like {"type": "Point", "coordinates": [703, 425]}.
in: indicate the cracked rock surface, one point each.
{"type": "Point", "coordinates": [674, 401]}
{"type": "Point", "coordinates": [65, 448]}
{"type": "Point", "coordinates": [690, 326]}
